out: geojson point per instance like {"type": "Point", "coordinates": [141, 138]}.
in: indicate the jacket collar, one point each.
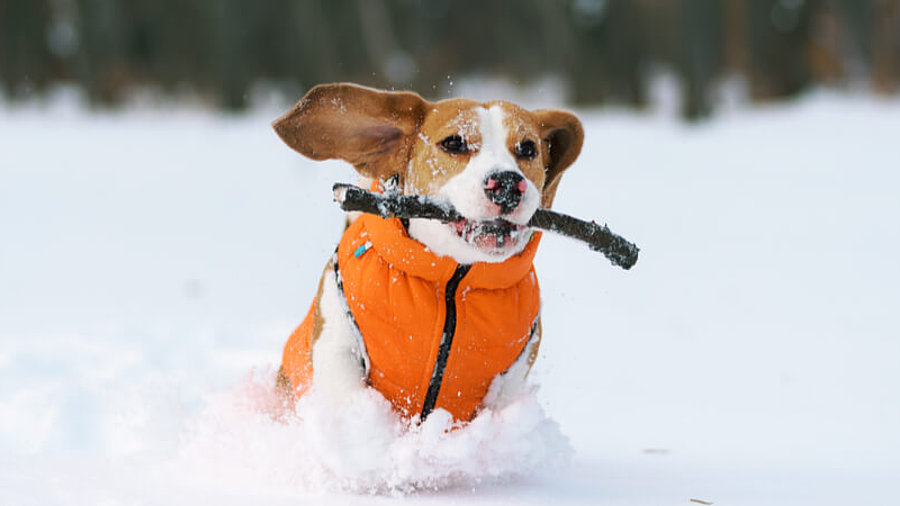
{"type": "Point", "coordinates": [392, 243]}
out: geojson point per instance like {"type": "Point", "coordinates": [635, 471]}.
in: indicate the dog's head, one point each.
{"type": "Point", "coordinates": [495, 162]}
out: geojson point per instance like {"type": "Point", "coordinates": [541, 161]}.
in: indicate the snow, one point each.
{"type": "Point", "coordinates": [153, 263]}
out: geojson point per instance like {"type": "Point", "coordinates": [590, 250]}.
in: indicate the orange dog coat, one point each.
{"type": "Point", "coordinates": [436, 332]}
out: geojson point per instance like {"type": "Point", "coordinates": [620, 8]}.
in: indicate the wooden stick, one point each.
{"type": "Point", "coordinates": [599, 238]}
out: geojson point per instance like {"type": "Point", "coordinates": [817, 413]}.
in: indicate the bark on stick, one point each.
{"type": "Point", "coordinates": [600, 238]}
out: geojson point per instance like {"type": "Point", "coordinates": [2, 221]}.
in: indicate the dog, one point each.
{"type": "Point", "coordinates": [432, 315]}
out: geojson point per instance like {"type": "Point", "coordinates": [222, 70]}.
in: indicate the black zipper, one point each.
{"type": "Point", "coordinates": [437, 375]}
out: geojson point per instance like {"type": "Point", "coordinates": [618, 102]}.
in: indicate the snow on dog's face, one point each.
{"type": "Point", "coordinates": [496, 163]}
{"type": "Point", "coordinates": [485, 160]}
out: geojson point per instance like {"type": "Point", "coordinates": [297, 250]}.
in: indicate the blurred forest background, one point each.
{"type": "Point", "coordinates": [604, 51]}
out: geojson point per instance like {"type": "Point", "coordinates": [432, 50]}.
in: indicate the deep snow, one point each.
{"type": "Point", "coordinates": [150, 262]}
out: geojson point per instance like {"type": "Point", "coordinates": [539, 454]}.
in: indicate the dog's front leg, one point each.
{"type": "Point", "coordinates": [510, 384]}
{"type": "Point", "coordinates": [339, 359]}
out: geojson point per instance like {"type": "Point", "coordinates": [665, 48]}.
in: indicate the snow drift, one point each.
{"type": "Point", "coordinates": [149, 259]}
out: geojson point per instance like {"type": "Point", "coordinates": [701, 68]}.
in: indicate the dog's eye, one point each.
{"type": "Point", "coordinates": [526, 149]}
{"type": "Point", "coordinates": [455, 145]}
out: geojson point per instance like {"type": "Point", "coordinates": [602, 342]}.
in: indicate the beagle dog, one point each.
{"type": "Point", "coordinates": [432, 315]}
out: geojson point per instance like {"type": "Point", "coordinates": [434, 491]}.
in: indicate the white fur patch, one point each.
{"type": "Point", "coordinates": [338, 358]}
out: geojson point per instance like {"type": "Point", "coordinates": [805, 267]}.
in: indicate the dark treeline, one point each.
{"type": "Point", "coordinates": [605, 50]}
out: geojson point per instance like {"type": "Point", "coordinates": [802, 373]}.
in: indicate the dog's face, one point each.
{"type": "Point", "coordinates": [495, 162]}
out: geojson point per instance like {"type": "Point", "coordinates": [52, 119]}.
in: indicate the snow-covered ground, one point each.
{"type": "Point", "coordinates": [152, 265]}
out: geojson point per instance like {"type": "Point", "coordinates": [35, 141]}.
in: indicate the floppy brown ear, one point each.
{"type": "Point", "coordinates": [373, 130]}
{"type": "Point", "coordinates": [562, 137]}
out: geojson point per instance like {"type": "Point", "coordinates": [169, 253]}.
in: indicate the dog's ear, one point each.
{"type": "Point", "coordinates": [562, 136]}
{"type": "Point", "coordinates": [373, 130]}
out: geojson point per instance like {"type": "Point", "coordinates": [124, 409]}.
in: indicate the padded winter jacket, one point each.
{"type": "Point", "coordinates": [436, 333]}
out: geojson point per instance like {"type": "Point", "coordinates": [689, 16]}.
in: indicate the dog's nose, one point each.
{"type": "Point", "coordinates": [505, 189]}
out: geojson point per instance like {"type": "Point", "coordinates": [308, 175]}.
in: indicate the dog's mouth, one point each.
{"type": "Point", "coordinates": [496, 236]}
